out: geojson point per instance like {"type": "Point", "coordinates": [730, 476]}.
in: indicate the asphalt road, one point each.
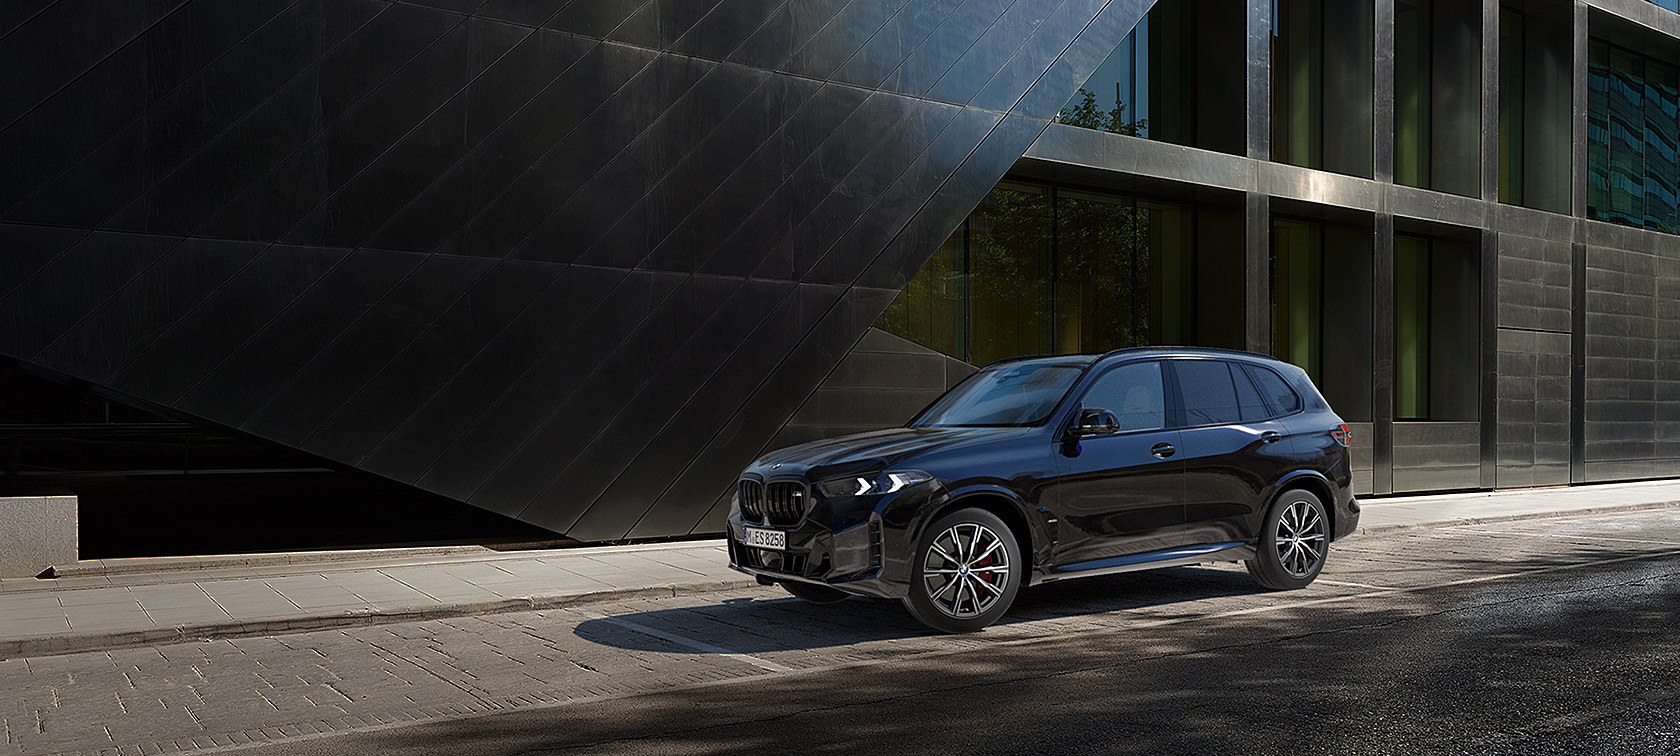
{"type": "Point", "coordinates": [1549, 637]}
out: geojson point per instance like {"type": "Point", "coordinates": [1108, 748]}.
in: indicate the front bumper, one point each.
{"type": "Point", "coordinates": [849, 559]}
{"type": "Point", "coordinates": [859, 545]}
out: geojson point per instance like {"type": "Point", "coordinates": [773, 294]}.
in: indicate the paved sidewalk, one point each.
{"type": "Point", "coordinates": [110, 605]}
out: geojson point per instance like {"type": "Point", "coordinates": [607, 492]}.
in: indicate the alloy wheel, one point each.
{"type": "Point", "coordinates": [966, 570]}
{"type": "Point", "coordinates": [1300, 539]}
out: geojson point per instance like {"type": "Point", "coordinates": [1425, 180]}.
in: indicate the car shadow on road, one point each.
{"type": "Point", "coordinates": [777, 622]}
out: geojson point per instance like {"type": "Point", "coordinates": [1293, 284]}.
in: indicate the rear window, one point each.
{"type": "Point", "coordinates": [1210, 397]}
{"type": "Point", "coordinates": [1275, 389]}
{"type": "Point", "coordinates": [1248, 399]}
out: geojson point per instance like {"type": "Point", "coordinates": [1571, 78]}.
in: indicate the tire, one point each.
{"type": "Point", "coordinates": [815, 594]}
{"type": "Point", "coordinates": [977, 557]}
{"type": "Point", "coordinates": [1293, 544]}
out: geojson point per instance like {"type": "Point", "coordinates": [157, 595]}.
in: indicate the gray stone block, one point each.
{"type": "Point", "coordinates": [37, 532]}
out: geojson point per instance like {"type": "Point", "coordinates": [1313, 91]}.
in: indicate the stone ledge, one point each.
{"type": "Point", "coordinates": [37, 532]}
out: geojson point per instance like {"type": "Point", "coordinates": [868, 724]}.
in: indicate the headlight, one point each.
{"type": "Point", "coordinates": [885, 483]}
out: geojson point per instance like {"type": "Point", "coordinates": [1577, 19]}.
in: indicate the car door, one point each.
{"type": "Point", "coordinates": [1119, 493]}
{"type": "Point", "coordinates": [1232, 448]}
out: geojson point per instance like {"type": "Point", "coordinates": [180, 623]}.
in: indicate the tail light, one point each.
{"type": "Point", "coordinates": [1342, 435]}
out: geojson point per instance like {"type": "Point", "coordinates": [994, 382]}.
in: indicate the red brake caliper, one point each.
{"type": "Point", "coordinates": [986, 577]}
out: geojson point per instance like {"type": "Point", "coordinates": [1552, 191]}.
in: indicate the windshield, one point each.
{"type": "Point", "coordinates": [1012, 394]}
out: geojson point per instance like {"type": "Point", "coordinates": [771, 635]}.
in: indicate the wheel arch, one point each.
{"type": "Point", "coordinates": [1311, 482]}
{"type": "Point", "coordinates": [1006, 507]}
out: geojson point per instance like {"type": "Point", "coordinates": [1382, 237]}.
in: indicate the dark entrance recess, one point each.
{"type": "Point", "coordinates": [151, 486]}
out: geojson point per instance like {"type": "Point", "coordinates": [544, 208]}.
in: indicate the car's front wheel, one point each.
{"type": "Point", "coordinates": [967, 569]}
{"type": "Point", "coordinates": [1294, 540]}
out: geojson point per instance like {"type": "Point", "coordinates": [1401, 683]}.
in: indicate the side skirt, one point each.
{"type": "Point", "coordinates": [1177, 557]}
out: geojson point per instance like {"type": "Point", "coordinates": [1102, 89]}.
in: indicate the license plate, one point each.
{"type": "Point", "coordinates": [765, 539]}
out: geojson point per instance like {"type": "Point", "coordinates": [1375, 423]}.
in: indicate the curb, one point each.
{"type": "Point", "coordinates": [1552, 515]}
{"type": "Point", "coordinates": [71, 643]}
{"type": "Point", "coordinates": [417, 554]}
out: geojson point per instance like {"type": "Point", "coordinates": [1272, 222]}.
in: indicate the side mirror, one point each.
{"type": "Point", "coordinates": [1094, 421]}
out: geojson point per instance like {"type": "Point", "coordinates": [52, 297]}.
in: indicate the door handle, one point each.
{"type": "Point", "coordinates": [1270, 437]}
{"type": "Point", "coordinates": [1162, 450]}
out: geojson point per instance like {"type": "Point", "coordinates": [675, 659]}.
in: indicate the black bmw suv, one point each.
{"type": "Point", "coordinates": [1040, 469]}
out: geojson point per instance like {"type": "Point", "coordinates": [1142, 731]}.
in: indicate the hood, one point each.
{"type": "Point", "coordinates": [875, 450]}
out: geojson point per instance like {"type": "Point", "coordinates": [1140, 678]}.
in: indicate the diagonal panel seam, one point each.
{"type": "Point", "coordinates": [32, 17]}
{"type": "Point", "coordinates": [394, 143]}
{"type": "Point", "coordinates": [548, 352]}
{"type": "Point", "coordinates": [216, 139]}
{"type": "Point", "coordinates": [446, 382]}
{"type": "Point", "coordinates": [115, 132]}
{"type": "Point", "coordinates": [585, 181]}
{"type": "Point", "coordinates": [252, 335]}
{"type": "Point", "coordinates": [835, 71]}
{"type": "Point", "coordinates": [165, 332]}
{"type": "Point", "coordinates": [959, 56]}
{"type": "Point", "coordinates": [678, 42]}
{"type": "Point", "coordinates": [912, 52]}
{"type": "Point", "coordinates": [474, 150]}
{"type": "Point", "coordinates": [113, 295]}
{"type": "Point", "coordinates": [931, 145]}
{"type": "Point", "coordinates": [759, 388]}
{"type": "Point", "coordinates": [741, 290]}
{"type": "Point", "coordinates": [211, 217]}
{"type": "Point", "coordinates": [284, 311]}
{"type": "Point", "coordinates": [839, 238]}
{"type": "Point", "coordinates": [678, 164]}
{"type": "Point", "coordinates": [419, 334]}
{"type": "Point", "coordinates": [491, 405]}
{"type": "Point", "coordinates": [563, 404]}
{"type": "Point", "coordinates": [677, 476]}
{"type": "Point", "coordinates": [492, 201]}
{"type": "Point", "coordinates": [31, 277]}
{"type": "Point", "coordinates": [95, 64]}
{"type": "Point", "coordinates": [170, 327]}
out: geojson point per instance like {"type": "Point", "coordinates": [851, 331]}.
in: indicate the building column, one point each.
{"type": "Point", "coordinates": [1490, 245]}
{"type": "Point", "coordinates": [1382, 353]}
{"type": "Point", "coordinates": [1257, 205]}
{"type": "Point", "coordinates": [1578, 268]}
{"type": "Point", "coordinates": [1257, 268]}
{"type": "Point", "coordinates": [1260, 79]}
{"type": "Point", "coordinates": [1578, 363]}
{"type": "Point", "coordinates": [1382, 97]}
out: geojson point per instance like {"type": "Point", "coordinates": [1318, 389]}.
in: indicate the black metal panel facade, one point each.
{"type": "Point", "coordinates": [570, 262]}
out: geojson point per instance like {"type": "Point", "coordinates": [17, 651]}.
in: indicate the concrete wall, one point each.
{"type": "Point", "coordinates": [36, 532]}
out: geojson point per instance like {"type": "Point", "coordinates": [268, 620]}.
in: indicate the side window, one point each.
{"type": "Point", "coordinates": [1276, 390]}
{"type": "Point", "coordinates": [1134, 393]}
{"type": "Point", "coordinates": [1248, 400]}
{"type": "Point", "coordinates": [1209, 395]}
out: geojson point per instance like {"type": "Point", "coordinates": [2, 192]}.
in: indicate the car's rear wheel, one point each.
{"type": "Point", "coordinates": [1293, 543]}
{"type": "Point", "coordinates": [816, 594]}
{"type": "Point", "coordinates": [967, 570]}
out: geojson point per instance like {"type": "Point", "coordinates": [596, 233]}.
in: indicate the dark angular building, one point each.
{"type": "Point", "coordinates": [575, 263]}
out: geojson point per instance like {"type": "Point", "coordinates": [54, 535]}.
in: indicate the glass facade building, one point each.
{"type": "Point", "coordinates": [1415, 314]}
